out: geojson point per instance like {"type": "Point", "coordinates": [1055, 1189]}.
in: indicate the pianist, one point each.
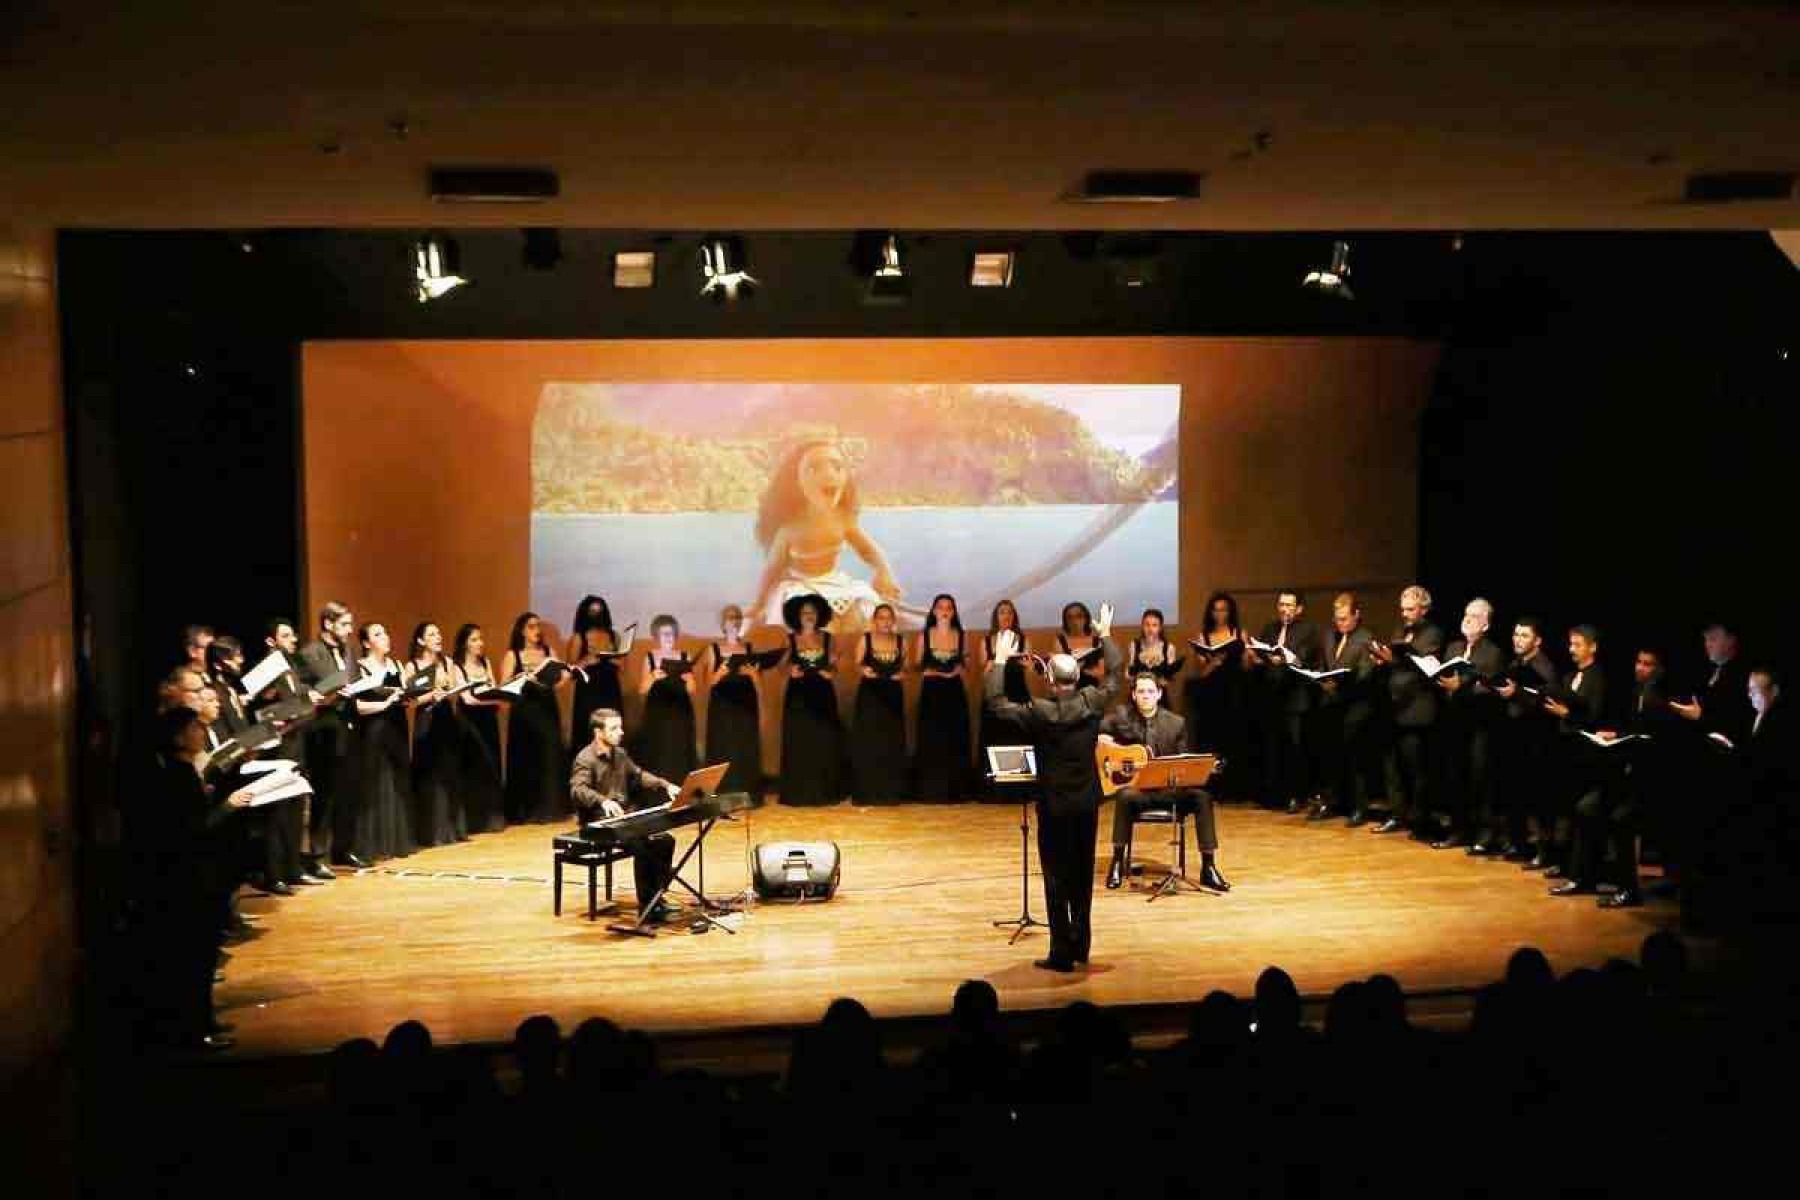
{"type": "Point", "coordinates": [606, 783]}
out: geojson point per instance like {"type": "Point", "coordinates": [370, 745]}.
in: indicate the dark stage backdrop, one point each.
{"type": "Point", "coordinates": [1296, 467]}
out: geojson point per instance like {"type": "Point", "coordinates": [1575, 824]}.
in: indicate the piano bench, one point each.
{"type": "Point", "coordinates": [575, 851]}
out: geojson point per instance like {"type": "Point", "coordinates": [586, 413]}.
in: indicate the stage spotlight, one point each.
{"type": "Point", "coordinates": [992, 269]}
{"type": "Point", "coordinates": [435, 264]}
{"type": "Point", "coordinates": [542, 250]}
{"type": "Point", "coordinates": [634, 269]}
{"type": "Point", "coordinates": [722, 262]}
{"type": "Point", "coordinates": [888, 283]}
{"type": "Point", "coordinates": [1333, 280]}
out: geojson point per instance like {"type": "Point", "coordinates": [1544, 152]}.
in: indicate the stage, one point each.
{"type": "Point", "coordinates": [462, 937]}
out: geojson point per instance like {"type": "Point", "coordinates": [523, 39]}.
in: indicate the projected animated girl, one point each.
{"type": "Point", "coordinates": [809, 512]}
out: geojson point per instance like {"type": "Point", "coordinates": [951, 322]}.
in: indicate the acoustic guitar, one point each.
{"type": "Point", "coordinates": [1119, 767]}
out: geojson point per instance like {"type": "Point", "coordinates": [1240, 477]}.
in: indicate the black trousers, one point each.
{"type": "Point", "coordinates": [1415, 766]}
{"type": "Point", "coordinates": [331, 818]}
{"type": "Point", "coordinates": [1344, 746]}
{"type": "Point", "coordinates": [1287, 767]}
{"type": "Point", "coordinates": [652, 863]}
{"type": "Point", "coordinates": [1196, 801]}
{"type": "Point", "coordinates": [1529, 786]}
{"type": "Point", "coordinates": [1606, 821]}
{"type": "Point", "coordinates": [277, 833]}
{"type": "Point", "coordinates": [1469, 775]}
{"type": "Point", "coordinates": [1066, 852]}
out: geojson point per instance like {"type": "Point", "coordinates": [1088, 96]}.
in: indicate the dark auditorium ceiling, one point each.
{"type": "Point", "coordinates": [811, 114]}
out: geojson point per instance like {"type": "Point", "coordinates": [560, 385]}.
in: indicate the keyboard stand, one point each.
{"type": "Point", "coordinates": [642, 928]}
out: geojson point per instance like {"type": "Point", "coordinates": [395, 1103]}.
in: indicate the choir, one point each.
{"type": "Point", "coordinates": [1469, 743]}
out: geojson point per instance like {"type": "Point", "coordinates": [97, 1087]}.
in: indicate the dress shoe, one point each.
{"type": "Point", "coordinates": [351, 860]}
{"type": "Point", "coordinates": [299, 881]}
{"type": "Point", "coordinates": [1294, 805]}
{"type": "Point", "coordinates": [1450, 841]}
{"type": "Point", "coordinates": [1391, 825]}
{"type": "Point", "coordinates": [1623, 898]}
{"type": "Point", "coordinates": [1554, 872]}
{"type": "Point", "coordinates": [1210, 877]}
{"type": "Point", "coordinates": [1320, 812]}
{"type": "Point", "coordinates": [318, 872]}
{"type": "Point", "coordinates": [1517, 854]}
{"type": "Point", "coordinates": [1060, 965]}
{"type": "Point", "coordinates": [1115, 874]}
{"type": "Point", "coordinates": [1357, 817]}
{"type": "Point", "coordinates": [215, 1043]}
{"type": "Point", "coordinates": [1483, 850]}
{"type": "Point", "coordinates": [1539, 861]}
{"type": "Point", "coordinates": [278, 888]}
{"type": "Point", "coordinates": [1572, 887]}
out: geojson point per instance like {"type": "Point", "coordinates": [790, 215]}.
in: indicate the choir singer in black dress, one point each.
{"type": "Point", "coordinates": [1145, 722]}
{"type": "Point", "coordinates": [1064, 727]}
{"type": "Point", "coordinates": [606, 783]}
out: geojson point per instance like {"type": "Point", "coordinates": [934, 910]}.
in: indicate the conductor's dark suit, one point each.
{"type": "Point", "coordinates": [1063, 728]}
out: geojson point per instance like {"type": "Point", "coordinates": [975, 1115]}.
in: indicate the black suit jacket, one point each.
{"type": "Point", "coordinates": [1064, 729]}
{"type": "Point", "coordinates": [1772, 767]}
{"type": "Point", "coordinates": [1413, 697]}
{"type": "Point", "coordinates": [1585, 694]}
{"type": "Point", "coordinates": [1725, 705]}
{"type": "Point", "coordinates": [1472, 702]}
{"type": "Point", "coordinates": [1353, 690]}
{"type": "Point", "coordinates": [287, 686]}
{"type": "Point", "coordinates": [1539, 671]}
{"type": "Point", "coordinates": [1165, 733]}
{"type": "Point", "coordinates": [331, 728]}
{"type": "Point", "coordinates": [1306, 645]}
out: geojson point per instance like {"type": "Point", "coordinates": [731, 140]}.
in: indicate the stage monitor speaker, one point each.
{"type": "Point", "coordinates": [797, 870]}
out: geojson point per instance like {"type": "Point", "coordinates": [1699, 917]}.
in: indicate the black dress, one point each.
{"type": "Point", "coordinates": [942, 759]}
{"type": "Point", "coordinates": [599, 690]}
{"type": "Point", "coordinates": [383, 824]}
{"type": "Point", "coordinates": [1093, 668]}
{"type": "Point", "coordinates": [995, 732]}
{"type": "Point", "coordinates": [1217, 715]}
{"type": "Point", "coordinates": [734, 723]}
{"type": "Point", "coordinates": [438, 817]}
{"type": "Point", "coordinates": [812, 733]}
{"type": "Point", "coordinates": [878, 730]}
{"type": "Point", "coordinates": [1165, 671]}
{"type": "Point", "coordinates": [537, 769]}
{"type": "Point", "coordinates": [479, 788]}
{"type": "Point", "coordinates": [666, 738]}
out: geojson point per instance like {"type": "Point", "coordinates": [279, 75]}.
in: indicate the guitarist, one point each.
{"type": "Point", "coordinates": [1144, 722]}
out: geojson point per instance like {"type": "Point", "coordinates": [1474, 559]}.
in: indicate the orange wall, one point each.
{"type": "Point", "coordinates": [37, 685]}
{"type": "Point", "coordinates": [1298, 456]}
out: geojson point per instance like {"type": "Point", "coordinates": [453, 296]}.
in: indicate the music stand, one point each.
{"type": "Point", "coordinates": [1175, 772]}
{"type": "Point", "coordinates": [697, 785]}
{"type": "Point", "coordinates": [1013, 766]}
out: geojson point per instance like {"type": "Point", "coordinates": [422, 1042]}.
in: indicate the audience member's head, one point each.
{"type": "Point", "coordinates": [975, 1009]}
{"type": "Point", "coordinates": [1277, 1005]}
{"type": "Point", "coordinates": [536, 1043]}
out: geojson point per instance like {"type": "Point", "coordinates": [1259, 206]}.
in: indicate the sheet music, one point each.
{"type": "Point", "coordinates": [367, 683]}
{"type": "Point", "coordinates": [262, 766]}
{"type": "Point", "coordinates": [264, 673]}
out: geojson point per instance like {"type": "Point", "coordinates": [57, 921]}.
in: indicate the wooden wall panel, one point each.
{"type": "Point", "coordinates": [37, 671]}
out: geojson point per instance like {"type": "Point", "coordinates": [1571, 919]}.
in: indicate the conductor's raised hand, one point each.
{"type": "Point", "coordinates": [1103, 625]}
{"type": "Point", "coordinates": [1006, 645]}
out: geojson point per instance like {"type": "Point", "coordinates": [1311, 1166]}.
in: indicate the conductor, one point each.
{"type": "Point", "coordinates": [1064, 727]}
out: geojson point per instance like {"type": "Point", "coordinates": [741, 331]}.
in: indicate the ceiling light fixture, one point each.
{"type": "Point", "coordinates": [1333, 280]}
{"type": "Point", "coordinates": [634, 269]}
{"type": "Point", "coordinates": [436, 264]}
{"type": "Point", "coordinates": [888, 283]}
{"type": "Point", "coordinates": [992, 268]}
{"type": "Point", "coordinates": [722, 262]}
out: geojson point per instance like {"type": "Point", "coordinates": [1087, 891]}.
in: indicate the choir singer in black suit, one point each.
{"type": "Point", "coordinates": [606, 783]}
{"type": "Point", "coordinates": [1591, 773]}
{"type": "Point", "coordinates": [1145, 722]}
{"type": "Point", "coordinates": [1283, 701]}
{"type": "Point", "coordinates": [1343, 722]}
{"type": "Point", "coordinates": [1472, 709]}
{"type": "Point", "coordinates": [1064, 726]}
{"type": "Point", "coordinates": [333, 814]}
{"type": "Point", "coordinates": [1413, 700]}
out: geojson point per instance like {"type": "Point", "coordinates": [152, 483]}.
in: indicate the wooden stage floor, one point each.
{"type": "Point", "coordinates": [424, 938]}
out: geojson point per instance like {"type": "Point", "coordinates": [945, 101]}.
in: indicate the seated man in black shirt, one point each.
{"type": "Point", "coordinates": [1144, 722]}
{"type": "Point", "coordinates": [605, 783]}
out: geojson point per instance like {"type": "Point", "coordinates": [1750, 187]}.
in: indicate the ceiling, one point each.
{"type": "Point", "coordinates": [920, 114]}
